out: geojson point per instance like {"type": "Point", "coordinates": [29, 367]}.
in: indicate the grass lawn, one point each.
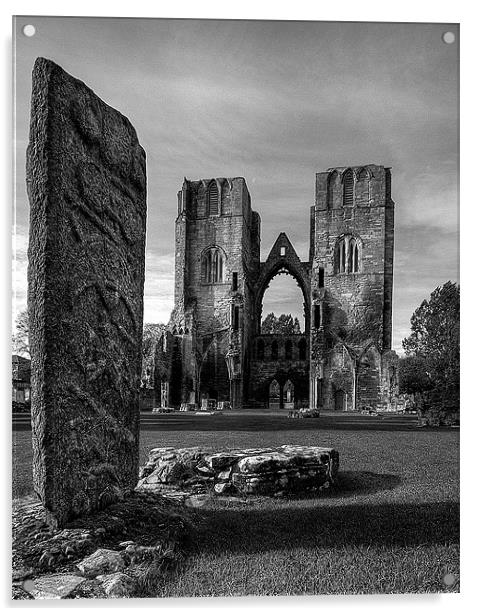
{"type": "Point", "coordinates": [391, 525]}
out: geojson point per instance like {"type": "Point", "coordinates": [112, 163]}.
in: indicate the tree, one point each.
{"type": "Point", "coordinates": [284, 325]}
{"type": "Point", "coordinates": [268, 325]}
{"type": "Point", "coordinates": [414, 379]}
{"type": "Point", "coordinates": [151, 335]}
{"type": "Point", "coordinates": [20, 339]}
{"type": "Point", "coordinates": [434, 340]}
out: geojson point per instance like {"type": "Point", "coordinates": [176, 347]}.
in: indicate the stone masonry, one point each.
{"type": "Point", "coordinates": [215, 348]}
{"type": "Point", "coordinates": [268, 471]}
{"type": "Point", "coordinates": [86, 182]}
{"type": "Point", "coordinates": [343, 360]}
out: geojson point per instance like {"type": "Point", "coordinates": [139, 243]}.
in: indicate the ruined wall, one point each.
{"type": "Point", "coordinates": [352, 305]}
{"type": "Point", "coordinates": [280, 358]}
{"type": "Point", "coordinates": [357, 299]}
{"type": "Point", "coordinates": [205, 310]}
{"type": "Point", "coordinates": [357, 304]}
{"type": "Point", "coordinates": [86, 183]}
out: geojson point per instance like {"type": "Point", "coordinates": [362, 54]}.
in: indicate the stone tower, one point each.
{"type": "Point", "coordinates": [214, 346]}
{"type": "Point", "coordinates": [216, 260]}
{"type": "Point", "coordinates": [351, 253]}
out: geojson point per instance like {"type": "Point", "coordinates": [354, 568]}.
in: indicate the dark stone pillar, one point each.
{"type": "Point", "coordinates": [86, 183]}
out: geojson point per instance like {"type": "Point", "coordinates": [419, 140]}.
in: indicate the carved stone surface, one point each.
{"type": "Point", "coordinates": [86, 182]}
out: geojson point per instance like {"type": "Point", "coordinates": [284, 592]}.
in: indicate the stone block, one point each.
{"type": "Point", "coordinates": [285, 469]}
{"type": "Point", "coordinates": [54, 586]}
{"type": "Point", "coordinates": [117, 585]}
{"type": "Point", "coordinates": [86, 182]}
{"type": "Point", "coordinates": [100, 562]}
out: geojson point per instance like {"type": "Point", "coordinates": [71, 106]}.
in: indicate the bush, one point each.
{"type": "Point", "coordinates": [21, 407]}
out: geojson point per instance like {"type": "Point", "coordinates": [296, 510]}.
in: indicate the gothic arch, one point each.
{"type": "Point", "coordinates": [213, 265]}
{"type": "Point", "coordinates": [283, 258]}
{"type": "Point", "coordinates": [213, 198]}
{"type": "Point", "coordinates": [334, 188]}
{"type": "Point", "coordinates": [348, 254]}
{"type": "Point", "coordinates": [348, 181]}
{"type": "Point", "coordinates": [362, 189]}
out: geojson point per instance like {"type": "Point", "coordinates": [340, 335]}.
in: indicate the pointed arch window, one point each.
{"type": "Point", "coordinates": [288, 350]}
{"type": "Point", "coordinates": [274, 389]}
{"type": "Point", "coordinates": [274, 350]}
{"type": "Point", "coordinates": [212, 266]}
{"type": "Point", "coordinates": [347, 256]}
{"type": "Point", "coordinates": [348, 188]}
{"type": "Point", "coordinates": [332, 181]}
{"type": "Point", "coordinates": [362, 188]}
{"type": "Point", "coordinates": [213, 199]}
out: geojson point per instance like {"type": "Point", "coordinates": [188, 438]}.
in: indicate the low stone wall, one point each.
{"type": "Point", "coordinates": [269, 471]}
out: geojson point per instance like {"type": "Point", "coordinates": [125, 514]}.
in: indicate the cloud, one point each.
{"type": "Point", "coordinates": [19, 271]}
{"type": "Point", "coordinates": [159, 287]}
{"type": "Point", "coordinates": [274, 102]}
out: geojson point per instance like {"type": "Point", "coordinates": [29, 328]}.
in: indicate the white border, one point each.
{"type": "Point", "coordinates": [404, 11]}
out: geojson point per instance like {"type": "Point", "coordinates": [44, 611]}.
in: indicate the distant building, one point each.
{"type": "Point", "coordinates": [21, 369]}
{"type": "Point", "coordinates": [214, 347]}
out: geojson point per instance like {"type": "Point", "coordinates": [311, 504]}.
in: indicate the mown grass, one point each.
{"type": "Point", "coordinates": [390, 526]}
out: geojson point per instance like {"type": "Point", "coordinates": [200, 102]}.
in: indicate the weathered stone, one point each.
{"type": "Point", "coordinates": [118, 585]}
{"type": "Point", "coordinates": [342, 360]}
{"type": "Point", "coordinates": [87, 189]}
{"type": "Point", "coordinates": [21, 574]}
{"type": "Point", "coordinates": [167, 471]}
{"type": "Point", "coordinates": [101, 561]}
{"type": "Point", "coordinates": [220, 461]}
{"type": "Point", "coordinates": [55, 586]}
{"type": "Point", "coordinates": [224, 487]}
{"type": "Point", "coordinates": [286, 469]}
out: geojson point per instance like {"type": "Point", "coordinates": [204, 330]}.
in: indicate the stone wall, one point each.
{"type": "Point", "coordinates": [356, 305]}
{"type": "Point", "coordinates": [349, 308]}
{"type": "Point", "coordinates": [214, 317]}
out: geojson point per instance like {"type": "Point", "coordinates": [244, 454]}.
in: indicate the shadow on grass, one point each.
{"type": "Point", "coordinates": [362, 482]}
{"type": "Point", "coordinates": [349, 484]}
{"type": "Point", "coordinates": [331, 527]}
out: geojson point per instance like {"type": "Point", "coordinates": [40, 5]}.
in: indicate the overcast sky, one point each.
{"type": "Point", "coordinates": [274, 102]}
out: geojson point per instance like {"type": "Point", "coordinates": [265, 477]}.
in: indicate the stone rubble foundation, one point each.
{"type": "Point", "coordinates": [269, 471]}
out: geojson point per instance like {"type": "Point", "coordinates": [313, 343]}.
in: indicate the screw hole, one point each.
{"type": "Point", "coordinates": [449, 37]}
{"type": "Point", "coordinates": [449, 579]}
{"type": "Point", "coordinates": [28, 30]}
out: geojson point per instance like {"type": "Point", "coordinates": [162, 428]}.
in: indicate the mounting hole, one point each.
{"type": "Point", "coordinates": [449, 579]}
{"type": "Point", "coordinates": [29, 30]}
{"type": "Point", "coordinates": [28, 585]}
{"type": "Point", "coordinates": [449, 37]}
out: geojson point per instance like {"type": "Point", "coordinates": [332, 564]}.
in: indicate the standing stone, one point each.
{"type": "Point", "coordinates": [86, 183]}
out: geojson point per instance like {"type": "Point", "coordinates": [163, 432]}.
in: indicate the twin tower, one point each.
{"type": "Point", "coordinates": [213, 346]}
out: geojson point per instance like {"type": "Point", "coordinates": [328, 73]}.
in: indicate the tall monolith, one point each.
{"type": "Point", "coordinates": [86, 182]}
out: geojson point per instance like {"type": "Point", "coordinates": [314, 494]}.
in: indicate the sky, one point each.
{"type": "Point", "coordinates": [273, 102]}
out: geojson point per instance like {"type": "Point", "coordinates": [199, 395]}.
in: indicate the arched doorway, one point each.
{"type": "Point", "coordinates": [282, 299]}
{"type": "Point", "coordinates": [214, 378]}
{"type": "Point", "coordinates": [339, 400]}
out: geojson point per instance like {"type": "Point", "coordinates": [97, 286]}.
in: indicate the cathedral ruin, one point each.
{"type": "Point", "coordinates": [213, 347]}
